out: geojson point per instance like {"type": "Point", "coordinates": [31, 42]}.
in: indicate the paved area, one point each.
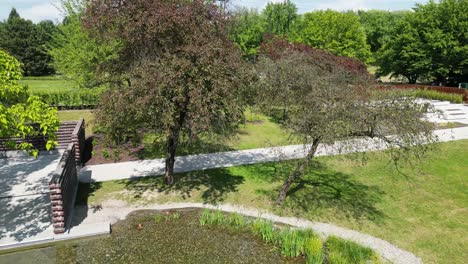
{"type": "Point", "coordinates": [25, 214]}
{"type": "Point", "coordinates": [24, 198]}
{"type": "Point", "coordinates": [445, 112]}
{"type": "Point", "coordinates": [136, 169]}
{"type": "Point", "coordinates": [118, 210]}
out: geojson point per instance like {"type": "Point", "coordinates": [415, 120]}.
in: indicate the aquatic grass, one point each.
{"type": "Point", "coordinates": [294, 242]}
{"type": "Point", "coordinates": [209, 217]}
{"type": "Point", "coordinates": [236, 220]}
{"type": "Point", "coordinates": [349, 252]}
{"type": "Point", "coordinates": [314, 251]}
{"type": "Point", "coordinates": [265, 230]}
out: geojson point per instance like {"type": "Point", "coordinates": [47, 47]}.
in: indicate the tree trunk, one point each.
{"type": "Point", "coordinates": [171, 148]}
{"type": "Point", "coordinates": [297, 173]}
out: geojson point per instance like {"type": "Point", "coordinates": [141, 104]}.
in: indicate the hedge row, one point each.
{"type": "Point", "coordinates": [463, 93]}
{"type": "Point", "coordinates": [436, 95]}
{"type": "Point", "coordinates": [75, 99]}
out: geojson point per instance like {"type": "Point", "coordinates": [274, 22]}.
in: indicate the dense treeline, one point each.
{"type": "Point", "coordinates": [428, 44]}
{"type": "Point", "coordinates": [28, 42]}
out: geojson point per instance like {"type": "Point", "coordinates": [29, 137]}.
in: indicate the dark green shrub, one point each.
{"type": "Point", "coordinates": [75, 99]}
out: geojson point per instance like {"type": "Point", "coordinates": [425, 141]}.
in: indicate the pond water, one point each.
{"type": "Point", "coordinates": [176, 237]}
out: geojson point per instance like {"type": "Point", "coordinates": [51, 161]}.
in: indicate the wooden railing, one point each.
{"type": "Point", "coordinates": [63, 187]}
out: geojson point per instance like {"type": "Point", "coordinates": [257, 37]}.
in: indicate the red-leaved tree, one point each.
{"type": "Point", "coordinates": [177, 75]}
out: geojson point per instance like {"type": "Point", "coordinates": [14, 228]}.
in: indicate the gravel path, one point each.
{"type": "Point", "coordinates": [114, 210]}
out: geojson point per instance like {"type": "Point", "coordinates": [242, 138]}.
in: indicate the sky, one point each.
{"type": "Point", "coordinates": [37, 10]}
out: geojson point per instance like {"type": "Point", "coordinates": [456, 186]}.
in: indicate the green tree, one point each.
{"type": "Point", "coordinates": [430, 42]}
{"type": "Point", "coordinates": [22, 115]}
{"type": "Point", "coordinates": [379, 26]}
{"type": "Point", "coordinates": [405, 54]}
{"type": "Point", "coordinates": [28, 43]}
{"type": "Point", "coordinates": [340, 33]}
{"type": "Point", "coordinates": [183, 76]}
{"type": "Point", "coordinates": [310, 82]}
{"type": "Point", "coordinates": [443, 30]}
{"type": "Point", "coordinates": [280, 17]}
{"type": "Point", "coordinates": [75, 53]}
{"type": "Point", "coordinates": [247, 30]}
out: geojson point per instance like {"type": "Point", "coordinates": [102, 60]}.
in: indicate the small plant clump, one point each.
{"type": "Point", "coordinates": [167, 216]}
{"type": "Point", "coordinates": [294, 243]}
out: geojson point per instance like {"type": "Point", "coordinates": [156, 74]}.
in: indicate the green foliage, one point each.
{"type": "Point", "coordinates": [280, 17]}
{"type": "Point", "coordinates": [430, 43]}
{"type": "Point", "coordinates": [105, 153]}
{"type": "Point", "coordinates": [75, 53]}
{"type": "Point", "coordinates": [294, 241]}
{"type": "Point", "coordinates": [341, 252]}
{"type": "Point", "coordinates": [404, 54]}
{"type": "Point", "coordinates": [28, 43]}
{"type": "Point", "coordinates": [236, 220]}
{"type": "Point", "coordinates": [265, 230]}
{"type": "Point", "coordinates": [22, 115]}
{"type": "Point", "coordinates": [435, 95]}
{"type": "Point", "coordinates": [210, 217]}
{"type": "Point", "coordinates": [314, 251]}
{"type": "Point", "coordinates": [337, 32]}
{"type": "Point", "coordinates": [247, 30]}
{"type": "Point", "coordinates": [74, 99]}
{"type": "Point", "coordinates": [379, 26]}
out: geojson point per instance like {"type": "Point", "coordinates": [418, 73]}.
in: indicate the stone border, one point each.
{"type": "Point", "coordinates": [384, 248]}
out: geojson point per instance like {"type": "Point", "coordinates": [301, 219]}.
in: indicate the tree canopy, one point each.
{"type": "Point", "coordinates": [247, 30]}
{"type": "Point", "coordinates": [430, 43]}
{"type": "Point", "coordinates": [330, 100]}
{"type": "Point", "coordinates": [22, 115]}
{"type": "Point", "coordinates": [180, 75]}
{"type": "Point", "coordinates": [341, 33]}
{"type": "Point", "coordinates": [76, 55]}
{"type": "Point", "coordinates": [280, 17]}
{"type": "Point", "coordinates": [27, 42]}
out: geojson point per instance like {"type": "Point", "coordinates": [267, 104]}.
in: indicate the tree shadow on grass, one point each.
{"type": "Point", "coordinates": [323, 189]}
{"type": "Point", "coordinates": [213, 185]}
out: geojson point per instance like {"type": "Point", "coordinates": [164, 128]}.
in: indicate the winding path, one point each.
{"type": "Point", "coordinates": [115, 210]}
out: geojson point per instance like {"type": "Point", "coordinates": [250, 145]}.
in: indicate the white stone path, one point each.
{"type": "Point", "coordinates": [136, 169]}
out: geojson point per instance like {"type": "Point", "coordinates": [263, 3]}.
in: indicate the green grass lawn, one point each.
{"type": "Point", "coordinates": [73, 115]}
{"type": "Point", "coordinates": [423, 210]}
{"type": "Point", "coordinates": [47, 83]}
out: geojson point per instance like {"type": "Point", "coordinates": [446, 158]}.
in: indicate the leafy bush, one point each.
{"type": "Point", "coordinates": [436, 95]}
{"type": "Point", "coordinates": [75, 99]}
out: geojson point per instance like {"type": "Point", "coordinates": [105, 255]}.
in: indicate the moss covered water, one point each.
{"type": "Point", "coordinates": [176, 237]}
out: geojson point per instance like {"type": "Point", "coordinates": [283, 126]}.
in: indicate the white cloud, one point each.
{"type": "Point", "coordinates": [41, 11]}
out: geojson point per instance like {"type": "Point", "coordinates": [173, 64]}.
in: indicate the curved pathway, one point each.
{"type": "Point", "coordinates": [115, 210]}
